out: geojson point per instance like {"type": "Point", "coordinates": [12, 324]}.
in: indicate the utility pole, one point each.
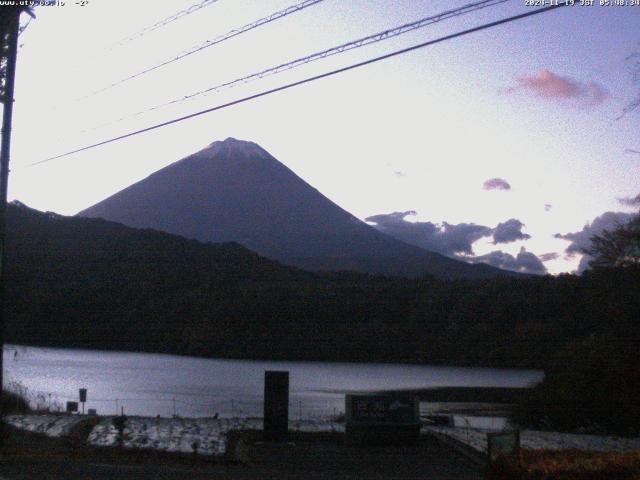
{"type": "Point", "coordinates": [9, 27]}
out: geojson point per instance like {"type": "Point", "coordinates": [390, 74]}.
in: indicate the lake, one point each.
{"type": "Point", "coordinates": [154, 384]}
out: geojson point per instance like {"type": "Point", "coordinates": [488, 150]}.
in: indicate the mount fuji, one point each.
{"type": "Point", "coordinates": [236, 191]}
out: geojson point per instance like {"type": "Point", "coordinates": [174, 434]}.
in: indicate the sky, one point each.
{"type": "Point", "coordinates": [507, 146]}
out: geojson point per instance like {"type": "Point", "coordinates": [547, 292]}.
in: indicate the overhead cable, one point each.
{"type": "Point", "coordinates": [166, 21]}
{"type": "Point", "coordinates": [361, 42]}
{"type": "Point", "coordinates": [310, 79]}
{"type": "Point", "coordinates": [210, 43]}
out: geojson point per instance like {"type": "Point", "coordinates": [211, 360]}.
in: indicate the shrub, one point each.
{"type": "Point", "coordinates": [13, 402]}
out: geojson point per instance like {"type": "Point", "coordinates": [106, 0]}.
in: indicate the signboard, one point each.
{"type": "Point", "coordinates": [382, 419]}
{"type": "Point", "coordinates": [276, 406]}
{"type": "Point", "coordinates": [502, 443]}
{"type": "Point", "coordinates": [83, 395]}
{"type": "Point", "coordinates": [382, 409]}
{"type": "Point", "coordinates": [72, 407]}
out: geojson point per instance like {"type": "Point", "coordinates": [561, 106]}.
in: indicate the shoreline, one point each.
{"type": "Point", "coordinates": [452, 364]}
{"type": "Point", "coordinates": [210, 437]}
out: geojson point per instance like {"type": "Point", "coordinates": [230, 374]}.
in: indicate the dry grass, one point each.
{"type": "Point", "coordinates": [567, 465]}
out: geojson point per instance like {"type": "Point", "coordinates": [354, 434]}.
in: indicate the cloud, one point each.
{"type": "Point", "coordinates": [496, 184]}
{"type": "Point", "coordinates": [459, 238]}
{"type": "Point", "coordinates": [509, 231]}
{"type": "Point", "coordinates": [595, 94]}
{"type": "Point", "coordinates": [447, 239]}
{"type": "Point", "coordinates": [581, 240]}
{"type": "Point", "coordinates": [630, 201]}
{"type": "Point", "coordinates": [524, 262]}
{"type": "Point", "coordinates": [546, 257]}
{"type": "Point", "coordinates": [550, 86]}
{"type": "Point", "coordinates": [456, 240]}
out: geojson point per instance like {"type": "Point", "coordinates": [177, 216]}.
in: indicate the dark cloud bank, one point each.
{"type": "Point", "coordinates": [457, 241]}
{"type": "Point", "coordinates": [525, 262]}
{"type": "Point", "coordinates": [581, 240]}
{"type": "Point", "coordinates": [446, 239]}
{"type": "Point", "coordinates": [630, 201]}
{"type": "Point", "coordinates": [509, 231]}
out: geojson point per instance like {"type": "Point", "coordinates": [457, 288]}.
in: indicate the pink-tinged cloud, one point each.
{"type": "Point", "coordinates": [546, 84]}
{"type": "Point", "coordinates": [596, 93]}
{"type": "Point", "coordinates": [496, 184]}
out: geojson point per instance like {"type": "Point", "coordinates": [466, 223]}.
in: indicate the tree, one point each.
{"type": "Point", "coordinates": [633, 65]}
{"type": "Point", "coordinates": [5, 16]}
{"type": "Point", "coordinates": [616, 248]}
{"type": "Point", "coordinates": [591, 385]}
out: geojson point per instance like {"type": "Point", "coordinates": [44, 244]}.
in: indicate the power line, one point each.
{"type": "Point", "coordinates": [161, 23]}
{"type": "Point", "coordinates": [309, 79]}
{"type": "Point", "coordinates": [209, 43]}
{"type": "Point", "coordinates": [166, 21]}
{"type": "Point", "coordinates": [361, 42]}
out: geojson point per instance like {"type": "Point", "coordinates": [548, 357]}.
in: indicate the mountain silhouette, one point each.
{"type": "Point", "coordinates": [236, 191]}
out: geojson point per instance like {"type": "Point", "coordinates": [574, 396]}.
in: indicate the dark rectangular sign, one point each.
{"type": "Point", "coordinates": [377, 419]}
{"type": "Point", "coordinates": [382, 409]}
{"type": "Point", "coordinates": [83, 395]}
{"type": "Point", "coordinates": [276, 406]}
{"type": "Point", "coordinates": [502, 443]}
{"type": "Point", "coordinates": [72, 407]}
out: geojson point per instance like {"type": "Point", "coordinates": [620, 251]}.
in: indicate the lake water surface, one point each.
{"type": "Point", "coordinates": [152, 384]}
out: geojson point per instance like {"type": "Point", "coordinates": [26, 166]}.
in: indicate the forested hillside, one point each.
{"type": "Point", "coordinates": [78, 282]}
